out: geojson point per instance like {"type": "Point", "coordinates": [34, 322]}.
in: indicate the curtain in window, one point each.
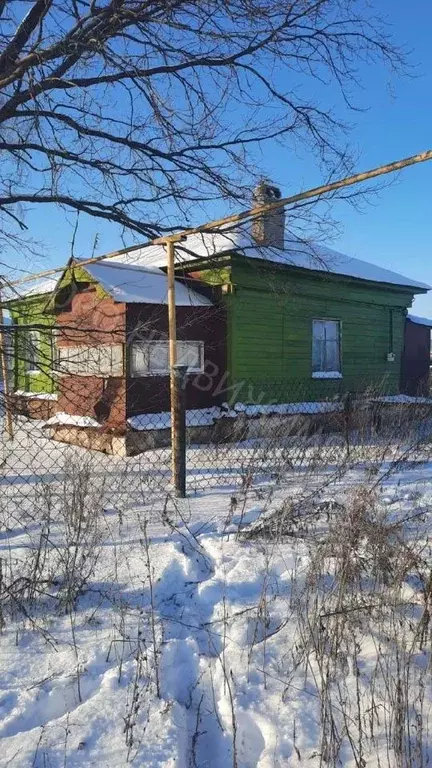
{"type": "Point", "coordinates": [332, 361]}
{"type": "Point", "coordinates": [318, 346]}
{"type": "Point", "coordinates": [189, 354]}
{"type": "Point", "coordinates": [158, 358]}
{"type": "Point", "coordinates": [325, 346]}
{"type": "Point", "coordinates": [105, 360]}
{"type": "Point", "coordinates": [152, 358]}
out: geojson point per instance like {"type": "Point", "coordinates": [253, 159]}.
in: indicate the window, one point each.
{"type": "Point", "coordinates": [105, 360]}
{"type": "Point", "coordinates": [191, 353]}
{"type": "Point", "coordinates": [326, 363]}
{"type": "Point", "coordinates": [55, 350]}
{"type": "Point", "coordinates": [151, 358]}
{"type": "Point", "coordinates": [31, 351]}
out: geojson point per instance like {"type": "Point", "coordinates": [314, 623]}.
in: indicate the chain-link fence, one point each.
{"type": "Point", "coordinates": [232, 447]}
{"type": "Point", "coordinates": [104, 566]}
{"type": "Point", "coordinates": [87, 390]}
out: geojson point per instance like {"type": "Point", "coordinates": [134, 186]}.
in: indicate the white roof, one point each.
{"type": "Point", "coordinates": [420, 320]}
{"type": "Point", "coordinates": [37, 287]}
{"type": "Point", "coordinates": [128, 283]}
{"type": "Point", "coordinates": [138, 285]}
{"type": "Point", "coordinates": [297, 253]}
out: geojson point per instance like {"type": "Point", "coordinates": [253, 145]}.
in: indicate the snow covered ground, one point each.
{"type": "Point", "coordinates": [277, 623]}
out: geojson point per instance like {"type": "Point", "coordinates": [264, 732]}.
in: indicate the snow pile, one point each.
{"type": "Point", "coordinates": [202, 417]}
{"type": "Point", "coordinates": [68, 419]}
{"type": "Point", "coordinates": [327, 375]}
{"type": "Point", "coordinates": [242, 630]}
{"type": "Point", "coordinates": [36, 395]}
{"type": "Point", "coordinates": [403, 400]}
{"type": "Point", "coordinates": [199, 417]}
{"type": "Point", "coordinates": [286, 409]}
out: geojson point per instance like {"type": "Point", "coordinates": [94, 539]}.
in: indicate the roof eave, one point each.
{"type": "Point", "coordinates": [421, 288]}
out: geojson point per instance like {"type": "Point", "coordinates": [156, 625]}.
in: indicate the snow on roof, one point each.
{"type": "Point", "coordinates": [128, 283]}
{"type": "Point", "coordinates": [420, 320]}
{"type": "Point", "coordinates": [38, 287]}
{"type": "Point", "coordinates": [134, 284]}
{"type": "Point", "coordinates": [297, 253]}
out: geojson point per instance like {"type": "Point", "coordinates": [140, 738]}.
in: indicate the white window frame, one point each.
{"type": "Point", "coordinates": [327, 373]}
{"type": "Point", "coordinates": [35, 346]}
{"type": "Point", "coordinates": [103, 361]}
{"type": "Point", "coordinates": [139, 345]}
{"type": "Point", "coordinates": [55, 350]}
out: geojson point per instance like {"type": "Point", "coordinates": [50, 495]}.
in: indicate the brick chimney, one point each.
{"type": "Point", "coordinates": [268, 229]}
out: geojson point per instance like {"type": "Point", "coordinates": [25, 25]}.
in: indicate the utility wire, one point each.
{"type": "Point", "coordinates": [248, 214]}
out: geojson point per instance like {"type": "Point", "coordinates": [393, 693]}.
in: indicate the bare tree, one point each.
{"type": "Point", "coordinates": [135, 111]}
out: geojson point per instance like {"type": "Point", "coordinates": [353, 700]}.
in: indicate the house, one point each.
{"type": "Point", "coordinates": [262, 317]}
{"type": "Point", "coordinates": [93, 350]}
{"type": "Point", "coordinates": [304, 322]}
{"type": "Point", "coordinates": [416, 357]}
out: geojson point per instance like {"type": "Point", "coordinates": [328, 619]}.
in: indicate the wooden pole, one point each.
{"type": "Point", "coordinates": [398, 165]}
{"type": "Point", "coordinates": [5, 373]}
{"type": "Point", "coordinates": [178, 443]}
{"type": "Point", "coordinates": [179, 422]}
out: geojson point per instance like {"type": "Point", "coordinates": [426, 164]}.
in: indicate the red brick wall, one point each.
{"type": "Point", "coordinates": [94, 321]}
{"type": "Point", "coordinates": [102, 399]}
{"type": "Point", "coordinates": [91, 320]}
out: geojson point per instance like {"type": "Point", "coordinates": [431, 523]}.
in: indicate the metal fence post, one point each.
{"type": "Point", "coordinates": [179, 431]}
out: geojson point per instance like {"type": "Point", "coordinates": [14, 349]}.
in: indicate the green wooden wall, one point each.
{"type": "Point", "coordinates": [269, 313]}
{"type": "Point", "coordinates": [33, 312]}
{"type": "Point", "coordinates": [270, 317]}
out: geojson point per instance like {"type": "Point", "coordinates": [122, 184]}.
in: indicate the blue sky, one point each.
{"type": "Point", "coordinates": [396, 121]}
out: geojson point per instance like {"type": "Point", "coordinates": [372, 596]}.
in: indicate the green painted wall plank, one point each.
{"type": "Point", "coordinates": [33, 311]}
{"type": "Point", "coordinates": [270, 332]}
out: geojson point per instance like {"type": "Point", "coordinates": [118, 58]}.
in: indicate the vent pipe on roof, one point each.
{"type": "Point", "coordinates": [268, 229]}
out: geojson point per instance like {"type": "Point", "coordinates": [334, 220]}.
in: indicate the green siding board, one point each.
{"type": "Point", "coordinates": [33, 312]}
{"type": "Point", "coordinates": [77, 274]}
{"type": "Point", "coordinates": [270, 332]}
{"type": "Point", "coordinates": [249, 273]}
{"type": "Point", "coordinates": [215, 276]}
